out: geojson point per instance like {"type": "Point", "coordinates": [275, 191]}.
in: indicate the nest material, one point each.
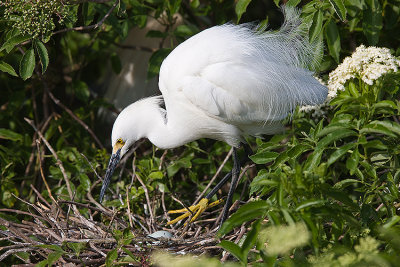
{"type": "Point", "coordinates": [53, 228]}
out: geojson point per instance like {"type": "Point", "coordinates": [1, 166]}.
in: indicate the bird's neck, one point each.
{"type": "Point", "coordinates": [160, 130]}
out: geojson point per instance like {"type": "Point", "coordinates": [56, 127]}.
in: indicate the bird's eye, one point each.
{"type": "Point", "coordinates": [119, 141]}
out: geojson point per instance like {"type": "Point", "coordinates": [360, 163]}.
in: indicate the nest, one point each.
{"type": "Point", "coordinates": [69, 233]}
{"type": "Point", "coordinates": [60, 230]}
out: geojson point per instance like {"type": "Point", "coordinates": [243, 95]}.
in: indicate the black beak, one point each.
{"type": "Point", "coordinates": [110, 170]}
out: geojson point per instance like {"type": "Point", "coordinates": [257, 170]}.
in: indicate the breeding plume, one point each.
{"type": "Point", "coordinates": [224, 83]}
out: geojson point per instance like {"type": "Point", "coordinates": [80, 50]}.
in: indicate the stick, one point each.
{"type": "Point", "coordinates": [58, 162]}
{"type": "Point", "coordinates": [214, 177]}
{"type": "Point", "coordinates": [84, 125]}
{"type": "Point", "coordinates": [90, 27]}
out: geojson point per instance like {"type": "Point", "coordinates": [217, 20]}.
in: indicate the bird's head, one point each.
{"type": "Point", "coordinates": [123, 137]}
{"type": "Point", "coordinates": [135, 122]}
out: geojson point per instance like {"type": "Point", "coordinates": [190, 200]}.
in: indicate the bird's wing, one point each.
{"type": "Point", "coordinates": [238, 94]}
{"type": "Point", "coordinates": [240, 74]}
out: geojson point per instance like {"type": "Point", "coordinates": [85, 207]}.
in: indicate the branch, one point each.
{"type": "Point", "coordinates": [58, 103]}
{"type": "Point", "coordinates": [90, 27]}
{"type": "Point", "coordinates": [58, 161]}
{"type": "Point", "coordinates": [214, 177]}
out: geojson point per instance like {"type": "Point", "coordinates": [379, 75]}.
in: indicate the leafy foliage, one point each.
{"type": "Point", "coordinates": [325, 193]}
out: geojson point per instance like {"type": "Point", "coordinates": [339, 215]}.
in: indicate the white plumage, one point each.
{"type": "Point", "coordinates": [224, 83]}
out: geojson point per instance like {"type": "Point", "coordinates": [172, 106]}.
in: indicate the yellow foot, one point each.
{"type": "Point", "coordinates": [196, 210]}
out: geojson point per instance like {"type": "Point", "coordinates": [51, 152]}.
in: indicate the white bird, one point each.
{"type": "Point", "coordinates": [225, 83]}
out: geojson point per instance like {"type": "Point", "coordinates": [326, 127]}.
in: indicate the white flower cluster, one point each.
{"type": "Point", "coordinates": [366, 63]}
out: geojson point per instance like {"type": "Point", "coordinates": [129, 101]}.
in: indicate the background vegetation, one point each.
{"type": "Point", "coordinates": [325, 193]}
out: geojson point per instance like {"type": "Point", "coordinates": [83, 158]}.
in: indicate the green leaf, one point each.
{"type": "Point", "coordinates": [129, 253]}
{"type": "Point", "coordinates": [339, 153]}
{"type": "Point", "coordinates": [352, 161]}
{"type": "Point", "coordinates": [10, 135]}
{"type": "Point", "coordinates": [344, 183]}
{"type": "Point", "coordinates": [280, 159]}
{"type": "Point", "coordinates": [247, 212]}
{"type": "Point", "coordinates": [156, 175]}
{"type": "Point", "coordinates": [333, 39]}
{"type": "Point", "coordinates": [13, 41]}
{"type": "Point", "coordinates": [5, 67]}
{"type": "Point", "coordinates": [264, 157]}
{"type": "Point", "coordinates": [310, 203]}
{"type": "Point", "coordinates": [313, 160]}
{"type": "Point", "coordinates": [316, 25]}
{"type": "Point", "coordinates": [334, 136]}
{"type": "Point", "coordinates": [195, 4]}
{"type": "Point", "coordinates": [293, 2]}
{"type": "Point", "coordinates": [340, 196]}
{"type": "Point", "coordinates": [53, 257]}
{"type": "Point", "coordinates": [391, 222]}
{"type": "Point", "coordinates": [333, 127]}
{"type": "Point", "coordinates": [185, 30]}
{"type": "Point", "coordinates": [175, 166]}
{"type": "Point", "coordinates": [52, 247]}
{"type": "Point", "coordinates": [297, 150]}
{"type": "Point", "coordinates": [155, 62]}
{"type": "Point", "coordinates": [43, 55]}
{"type": "Point", "coordinates": [353, 89]}
{"type": "Point", "coordinates": [385, 104]}
{"type": "Point", "coordinates": [233, 248]}
{"type": "Point", "coordinates": [240, 8]}
{"type": "Point", "coordinates": [88, 13]}
{"type": "Point", "coordinates": [42, 263]}
{"type": "Point", "coordinates": [251, 239]}
{"type": "Point", "coordinates": [81, 90]}
{"type": "Point", "coordinates": [77, 247]}
{"type": "Point", "coordinates": [111, 257]}
{"type": "Point", "coordinates": [27, 64]}
{"type": "Point", "coordinates": [85, 182]}
{"type": "Point", "coordinates": [339, 8]}
{"type": "Point", "coordinates": [372, 21]}
{"type": "Point", "coordinates": [383, 127]}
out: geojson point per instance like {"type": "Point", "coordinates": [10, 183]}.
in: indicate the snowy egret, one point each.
{"type": "Point", "coordinates": [224, 83]}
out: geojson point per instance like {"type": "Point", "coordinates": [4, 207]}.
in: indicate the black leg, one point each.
{"type": "Point", "coordinates": [235, 179]}
{"type": "Point", "coordinates": [223, 181]}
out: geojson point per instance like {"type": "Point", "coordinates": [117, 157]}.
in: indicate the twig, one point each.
{"type": "Point", "coordinates": [97, 250]}
{"type": "Point", "coordinates": [214, 177]}
{"type": "Point", "coordinates": [92, 200]}
{"type": "Point", "coordinates": [129, 209]}
{"type": "Point", "coordinates": [40, 195]}
{"type": "Point", "coordinates": [90, 27]}
{"type": "Point", "coordinates": [87, 206]}
{"type": "Point", "coordinates": [58, 162]}
{"type": "Point", "coordinates": [164, 208]}
{"type": "Point", "coordinates": [162, 159]}
{"type": "Point", "coordinates": [14, 251]}
{"type": "Point", "coordinates": [42, 173]}
{"type": "Point", "coordinates": [84, 125]}
{"type": "Point", "coordinates": [146, 192]}
{"type": "Point", "coordinates": [32, 156]}
{"type": "Point", "coordinates": [182, 204]}
{"type": "Point", "coordinates": [91, 166]}
{"type": "Point", "coordinates": [239, 236]}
